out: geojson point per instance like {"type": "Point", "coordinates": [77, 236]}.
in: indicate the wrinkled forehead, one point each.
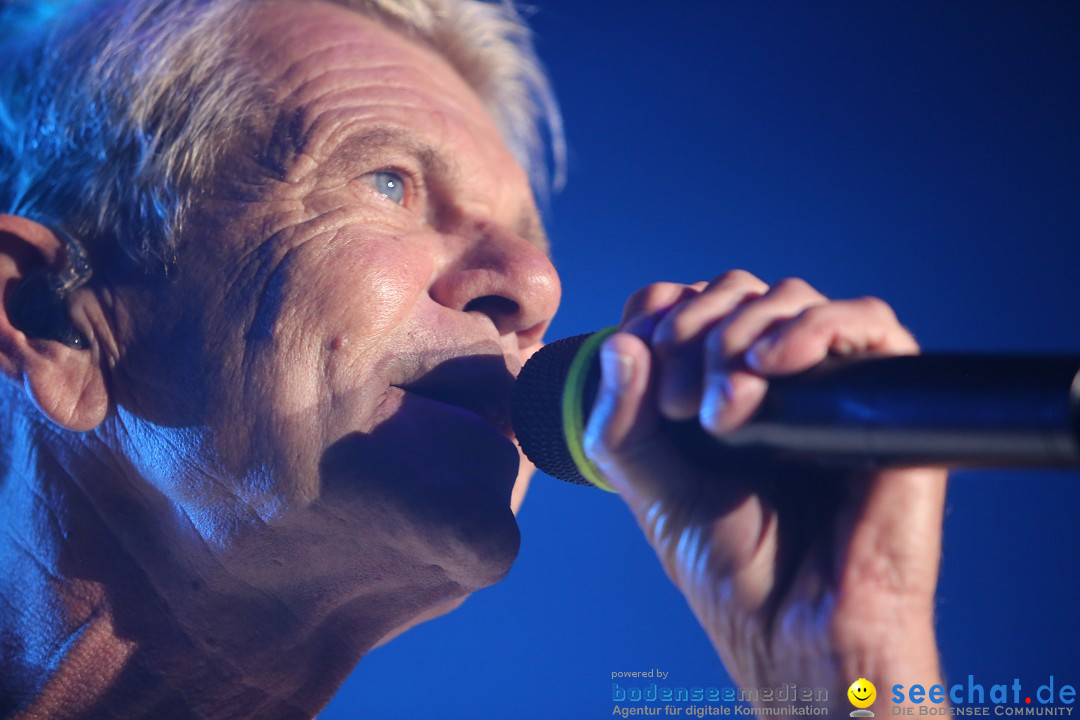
{"type": "Point", "coordinates": [288, 36]}
{"type": "Point", "coordinates": [333, 71]}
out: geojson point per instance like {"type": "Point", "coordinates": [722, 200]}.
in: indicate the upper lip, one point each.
{"type": "Point", "coordinates": [479, 383]}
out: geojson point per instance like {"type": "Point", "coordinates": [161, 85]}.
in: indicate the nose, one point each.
{"type": "Point", "coordinates": [495, 272]}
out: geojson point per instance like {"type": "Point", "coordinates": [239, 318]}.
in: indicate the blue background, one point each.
{"type": "Point", "coordinates": [924, 152]}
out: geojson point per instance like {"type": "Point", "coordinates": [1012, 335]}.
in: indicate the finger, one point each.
{"type": "Point", "coordinates": [749, 322]}
{"type": "Point", "coordinates": [733, 391]}
{"type": "Point", "coordinates": [623, 437]}
{"type": "Point", "coordinates": [730, 398]}
{"type": "Point", "coordinates": [677, 339]}
{"type": "Point", "coordinates": [655, 299]}
{"type": "Point", "coordinates": [844, 327]}
{"type": "Point", "coordinates": [690, 517]}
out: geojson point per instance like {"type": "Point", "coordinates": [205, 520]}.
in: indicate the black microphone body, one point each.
{"type": "Point", "coordinates": [962, 410]}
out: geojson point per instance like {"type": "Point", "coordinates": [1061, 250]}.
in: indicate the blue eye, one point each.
{"type": "Point", "coordinates": [390, 184]}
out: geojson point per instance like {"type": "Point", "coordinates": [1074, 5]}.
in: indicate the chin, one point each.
{"type": "Point", "coordinates": [431, 614]}
{"type": "Point", "coordinates": [443, 511]}
{"type": "Point", "coordinates": [474, 536]}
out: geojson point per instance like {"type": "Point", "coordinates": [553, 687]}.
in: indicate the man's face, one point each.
{"type": "Point", "coordinates": [331, 366]}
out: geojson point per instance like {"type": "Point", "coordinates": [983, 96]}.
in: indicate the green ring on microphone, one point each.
{"type": "Point", "coordinates": [573, 415]}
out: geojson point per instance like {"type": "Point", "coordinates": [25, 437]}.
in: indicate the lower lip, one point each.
{"type": "Point", "coordinates": [472, 416]}
{"type": "Point", "coordinates": [478, 439]}
{"type": "Point", "coordinates": [505, 431]}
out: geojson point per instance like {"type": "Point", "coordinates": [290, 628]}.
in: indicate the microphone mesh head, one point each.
{"type": "Point", "coordinates": [537, 413]}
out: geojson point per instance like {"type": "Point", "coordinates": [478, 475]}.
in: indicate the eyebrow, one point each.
{"type": "Point", "coordinates": [339, 158]}
{"type": "Point", "coordinates": [343, 156]}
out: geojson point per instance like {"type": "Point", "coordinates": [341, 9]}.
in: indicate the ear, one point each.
{"type": "Point", "coordinates": [67, 384]}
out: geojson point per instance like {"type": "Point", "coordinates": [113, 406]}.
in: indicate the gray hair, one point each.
{"type": "Point", "coordinates": [110, 132]}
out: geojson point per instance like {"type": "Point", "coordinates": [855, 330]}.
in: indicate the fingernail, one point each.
{"type": "Point", "coordinates": [758, 349]}
{"type": "Point", "coordinates": [715, 399]}
{"type": "Point", "coordinates": [617, 369]}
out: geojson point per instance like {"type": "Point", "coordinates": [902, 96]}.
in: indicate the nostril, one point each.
{"type": "Point", "coordinates": [494, 306]}
{"type": "Point", "coordinates": [503, 312]}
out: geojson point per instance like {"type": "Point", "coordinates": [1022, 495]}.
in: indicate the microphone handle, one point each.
{"type": "Point", "coordinates": [905, 411]}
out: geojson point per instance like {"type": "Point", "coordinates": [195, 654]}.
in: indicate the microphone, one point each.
{"type": "Point", "coordinates": [946, 410]}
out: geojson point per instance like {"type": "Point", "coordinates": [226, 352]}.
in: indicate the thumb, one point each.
{"type": "Point", "coordinates": [624, 436]}
{"type": "Point", "coordinates": [700, 523]}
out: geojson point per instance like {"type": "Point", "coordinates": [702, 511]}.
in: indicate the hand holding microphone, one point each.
{"type": "Point", "coordinates": [822, 574]}
{"type": "Point", "coordinates": [949, 410]}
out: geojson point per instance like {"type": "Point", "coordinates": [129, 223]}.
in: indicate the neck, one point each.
{"type": "Point", "coordinates": [118, 607]}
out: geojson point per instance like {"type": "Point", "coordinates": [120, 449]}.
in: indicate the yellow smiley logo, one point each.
{"type": "Point", "coordinates": [862, 693]}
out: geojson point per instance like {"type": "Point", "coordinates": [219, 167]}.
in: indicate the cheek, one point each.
{"type": "Point", "coordinates": [364, 294]}
{"type": "Point", "coordinates": [364, 313]}
{"type": "Point", "coordinates": [342, 308]}
{"type": "Point", "coordinates": [343, 311]}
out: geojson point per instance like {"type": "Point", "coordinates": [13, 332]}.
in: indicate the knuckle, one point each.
{"type": "Point", "coordinates": [683, 326]}
{"type": "Point", "coordinates": [652, 296]}
{"type": "Point", "coordinates": [877, 307]}
{"type": "Point", "coordinates": [662, 292]}
{"type": "Point", "coordinates": [674, 329]}
{"type": "Point", "coordinates": [815, 315]}
{"type": "Point", "coordinates": [795, 286]}
{"type": "Point", "coordinates": [734, 275]}
{"type": "Point", "coordinates": [816, 325]}
{"type": "Point", "coordinates": [738, 277]}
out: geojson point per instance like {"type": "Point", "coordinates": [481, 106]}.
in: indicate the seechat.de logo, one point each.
{"type": "Point", "coordinates": [1052, 697]}
{"type": "Point", "coordinates": [862, 695]}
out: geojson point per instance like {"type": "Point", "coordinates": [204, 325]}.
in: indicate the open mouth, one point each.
{"type": "Point", "coordinates": [486, 415]}
{"type": "Point", "coordinates": [479, 385]}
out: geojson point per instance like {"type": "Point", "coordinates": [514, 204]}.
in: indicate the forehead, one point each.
{"type": "Point", "coordinates": [345, 74]}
